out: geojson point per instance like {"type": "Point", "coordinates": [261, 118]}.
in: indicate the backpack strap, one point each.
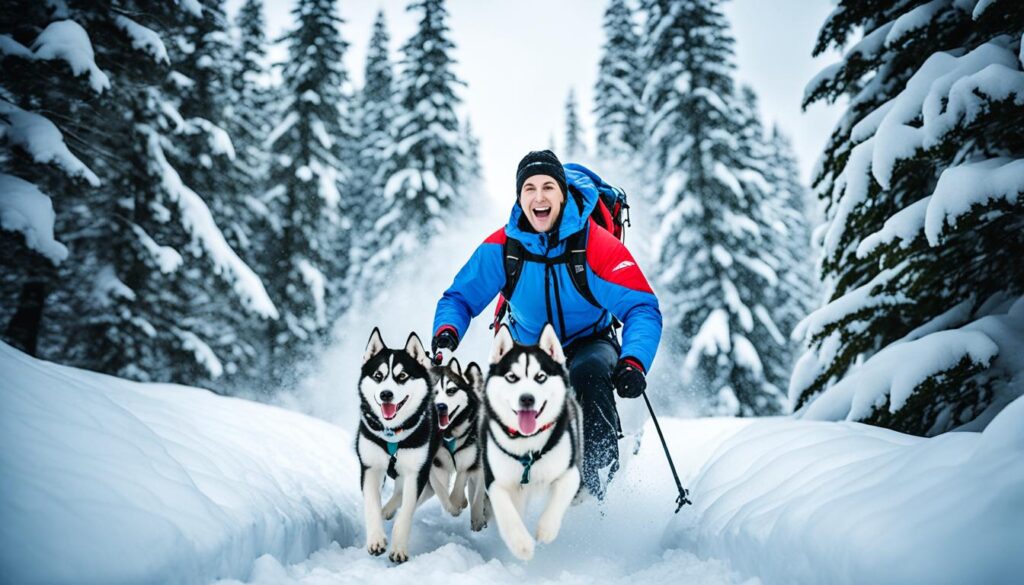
{"type": "Point", "coordinates": [515, 255]}
{"type": "Point", "coordinates": [576, 247]}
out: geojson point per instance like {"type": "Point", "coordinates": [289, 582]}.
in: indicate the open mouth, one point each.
{"type": "Point", "coordinates": [444, 419]}
{"type": "Point", "coordinates": [542, 212]}
{"type": "Point", "coordinates": [528, 419]}
{"type": "Point", "coordinates": [389, 409]}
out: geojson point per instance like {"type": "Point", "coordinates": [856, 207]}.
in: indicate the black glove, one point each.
{"type": "Point", "coordinates": [445, 339]}
{"type": "Point", "coordinates": [629, 378]}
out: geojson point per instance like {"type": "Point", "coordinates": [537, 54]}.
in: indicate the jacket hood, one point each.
{"type": "Point", "coordinates": [579, 203]}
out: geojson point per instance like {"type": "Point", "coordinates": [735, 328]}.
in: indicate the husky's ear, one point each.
{"type": "Point", "coordinates": [475, 377]}
{"type": "Point", "coordinates": [550, 345]}
{"type": "Point", "coordinates": [454, 366]}
{"type": "Point", "coordinates": [502, 344]}
{"type": "Point", "coordinates": [374, 346]}
{"type": "Point", "coordinates": [414, 348]}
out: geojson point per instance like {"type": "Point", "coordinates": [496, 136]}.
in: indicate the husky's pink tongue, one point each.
{"type": "Point", "coordinates": [443, 421]}
{"type": "Point", "coordinates": [388, 410]}
{"type": "Point", "coordinates": [527, 421]}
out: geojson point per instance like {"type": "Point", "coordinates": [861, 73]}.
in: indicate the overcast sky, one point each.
{"type": "Point", "coordinates": [520, 57]}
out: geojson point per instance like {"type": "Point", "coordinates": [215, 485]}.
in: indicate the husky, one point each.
{"type": "Point", "coordinates": [458, 407]}
{"type": "Point", "coordinates": [531, 439]}
{"type": "Point", "coordinates": [398, 437]}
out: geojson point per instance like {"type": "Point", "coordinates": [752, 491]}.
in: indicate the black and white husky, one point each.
{"type": "Point", "coordinates": [459, 410]}
{"type": "Point", "coordinates": [398, 437]}
{"type": "Point", "coordinates": [531, 440]}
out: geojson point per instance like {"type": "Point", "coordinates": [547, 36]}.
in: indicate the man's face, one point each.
{"type": "Point", "coordinates": [541, 200]}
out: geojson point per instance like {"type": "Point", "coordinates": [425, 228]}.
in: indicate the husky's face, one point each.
{"type": "Point", "coordinates": [457, 392]}
{"type": "Point", "coordinates": [527, 385]}
{"type": "Point", "coordinates": [394, 383]}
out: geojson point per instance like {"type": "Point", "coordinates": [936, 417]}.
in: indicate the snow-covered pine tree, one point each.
{"type": "Point", "coordinates": [922, 181]}
{"type": "Point", "coordinates": [249, 108]}
{"type": "Point", "coordinates": [617, 103]}
{"type": "Point", "coordinates": [424, 177]}
{"type": "Point", "coordinates": [574, 148]}
{"type": "Point", "coordinates": [377, 222]}
{"type": "Point", "coordinates": [787, 214]}
{"type": "Point", "coordinates": [714, 270]}
{"type": "Point", "coordinates": [308, 146]}
{"type": "Point", "coordinates": [206, 161]}
{"type": "Point", "coordinates": [117, 308]}
{"type": "Point", "coordinates": [474, 172]}
{"type": "Point", "coordinates": [36, 88]}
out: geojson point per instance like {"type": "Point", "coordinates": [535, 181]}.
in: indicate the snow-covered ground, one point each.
{"type": "Point", "coordinates": [109, 481]}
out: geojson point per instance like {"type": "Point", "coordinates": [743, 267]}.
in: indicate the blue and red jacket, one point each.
{"type": "Point", "coordinates": [615, 280]}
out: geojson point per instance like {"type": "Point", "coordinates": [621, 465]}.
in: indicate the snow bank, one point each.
{"type": "Point", "coordinates": [812, 502]}
{"type": "Point", "coordinates": [110, 481]}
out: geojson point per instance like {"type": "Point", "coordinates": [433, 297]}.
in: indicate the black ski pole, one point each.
{"type": "Point", "coordinates": [683, 498]}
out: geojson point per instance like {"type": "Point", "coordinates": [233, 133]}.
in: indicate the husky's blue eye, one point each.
{"type": "Point", "coordinates": [512, 378]}
{"type": "Point", "coordinates": [540, 377]}
{"type": "Point", "coordinates": [377, 376]}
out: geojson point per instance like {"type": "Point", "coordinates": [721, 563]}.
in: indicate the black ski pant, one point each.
{"type": "Point", "coordinates": [591, 362]}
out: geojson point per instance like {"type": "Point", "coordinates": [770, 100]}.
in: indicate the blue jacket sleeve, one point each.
{"type": "Point", "coordinates": [620, 286]}
{"type": "Point", "coordinates": [476, 284]}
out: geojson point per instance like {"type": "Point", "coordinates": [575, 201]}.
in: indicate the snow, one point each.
{"type": "Point", "coordinates": [994, 341]}
{"type": "Point", "coordinates": [67, 41]}
{"type": "Point", "coordinates": [913, 20]}
{"type": "Point", "coordinates": [321, 133]}
{"type": "Point", "coordinates": [9, 46]}
{"type": "Point", "coordinates": [41, 140]}
{"type": "Point", "coordinates": [856, 300]}
{"type": "Point", "coordinates": [193, 7]}
{"type": "Point", "coordinates": [736, 305]}
{"type": "Point", "coordinates": [962, 187]}
{"type": "Point", "coordinates": [166, 258]}
{"type": "Point", "coordinates": [844, 503]}
{"type": "Point", "coordinates": [981, 7]}
{"type": "Point", "coordinates": [712, 338]}
{"type": "Point", "coordinates": [327, 183]}
{"type": "Point", "coordinates": [895, 372]}
{"type": "Point", "coordinates": [204, 355]}
{"type": "Point", "coordinates": [143, 38]}
{"type": "Point", "coordinates": [904, 226]}
{"type": "Point", "coordinates": [202, 487]}
{"type": "Point", "coordinates": [197, 220]}
{"type": "Point", "coordinates": [111, 481]}
{"type": "Point", "coordinates": [746, 355]}
{"type": "Point", "coordinates": [316, 282]}
{"type": "Point", "coordinates": [725, 175]}
{"type": "Point", "coordinates": [24, 208]}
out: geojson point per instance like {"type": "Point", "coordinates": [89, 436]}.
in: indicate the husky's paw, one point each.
{"type": "Point", "coordinates": [459, 502]}
{"type": "Point", "coordinates": [522, 547]}
{"type": "Point", "coordinates": [547, 530]}
{"type": "Point", "coordinates": [389, 512]}
{"type": "Point", "coordinates": [453, 509]}
{"type": "Point", "coordinates": [398, 556]}
{"type": "Point", "coordinates": [377, 544]}
{"type": "Point", "coordinates": [478, 524]}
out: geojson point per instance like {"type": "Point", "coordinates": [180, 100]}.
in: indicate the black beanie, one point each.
{"type": "Point", "coordinates": [540, 162]}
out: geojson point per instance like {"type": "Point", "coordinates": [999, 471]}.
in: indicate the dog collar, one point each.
{"type": "Point", "coordinates": [451, 443]}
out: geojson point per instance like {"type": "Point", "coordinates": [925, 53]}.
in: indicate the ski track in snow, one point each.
{"type": "Point", "coordinates": [615, 542]}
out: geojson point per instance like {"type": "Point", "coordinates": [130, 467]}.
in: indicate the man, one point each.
{"type": "Point", "coordinates": [550, 209]}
